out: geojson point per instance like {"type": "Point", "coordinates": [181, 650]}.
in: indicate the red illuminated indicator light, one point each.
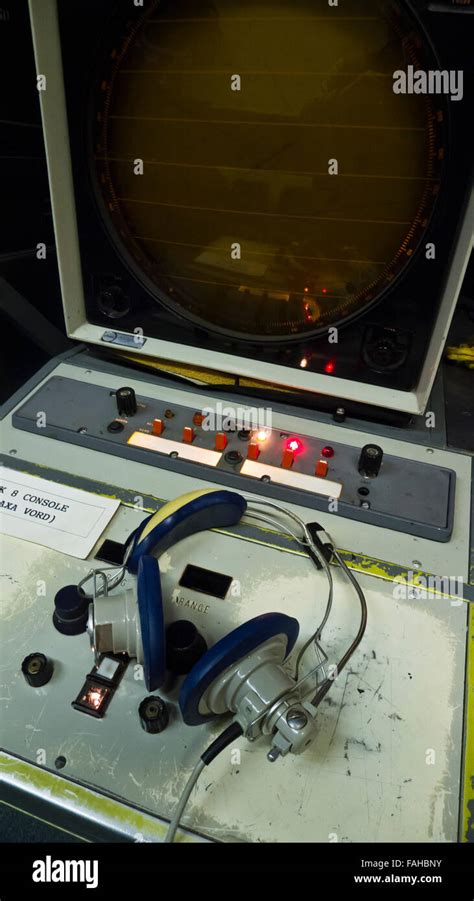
{"type": "Point", "coordinates": [295, 445]}
{"type": "Point", "coordinates": [329, 367]}
{"type": "Point", "coordinates": [327, 452]}
{"type": "Point", "coordinates": [324, 290]}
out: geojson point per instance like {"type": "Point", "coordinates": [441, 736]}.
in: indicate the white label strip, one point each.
{"type": "Point", "coordinates": [292, 479]}
{"type": "Point", "coordinates": [56, 516]}
{"type": "Point", "coordinates": [184, 451]}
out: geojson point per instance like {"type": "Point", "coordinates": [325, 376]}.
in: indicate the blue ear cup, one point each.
{"type": "Point", "coordinates": [230, 649]}
{"type": "Point", "coordinates": [186, 515]}
{"type": "Point", "coordinates": [150, 608]}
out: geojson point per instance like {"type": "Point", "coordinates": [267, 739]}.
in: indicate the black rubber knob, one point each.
{"type": "Point", "coordinates": [154, 715]}
{"type": "Point", "coordinates": [37, 669]}
{"type": "Point", "coordinates": [126, 401]}
{"type": "Point", "coordinates": [370, 460]}
{"type": "Point", "coordinates": [184, 646]}
{"type": "Point", "coordinates": [71, 610]}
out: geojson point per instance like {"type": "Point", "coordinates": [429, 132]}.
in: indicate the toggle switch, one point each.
{"type": "Point", "coordinates": [288, 458]}
{"type": "Point", "coordinates": [321, 469]}
{"type": "Point", "coordinates": [253, 451]}
{"type": "Point", "coordinates": [221, 441]}
{"type": "Point", "coordinates": [158, 427]}
{"type": "Point", "coordinates": [188, 434]}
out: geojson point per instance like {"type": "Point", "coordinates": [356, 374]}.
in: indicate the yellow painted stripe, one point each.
{"type": "Point", "coordinates": [468, 787]}
{"type": "Point", "coordinates": [87, 803]}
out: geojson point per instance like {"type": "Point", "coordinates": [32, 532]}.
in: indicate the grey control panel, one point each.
{"type": "Point", "coordinates": [334, 477]}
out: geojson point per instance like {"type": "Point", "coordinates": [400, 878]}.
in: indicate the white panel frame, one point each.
{"type": "Point", "coordinates": [46, 40]}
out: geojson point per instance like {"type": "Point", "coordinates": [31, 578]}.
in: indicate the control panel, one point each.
{"type": "Point", "coordinates": [240, 448]}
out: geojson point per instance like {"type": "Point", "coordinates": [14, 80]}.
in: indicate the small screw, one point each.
{"type": "Point", "coordinates": [296, 719]}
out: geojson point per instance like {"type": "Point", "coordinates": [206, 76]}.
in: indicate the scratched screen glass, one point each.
{"type": "Point", "coordinates": [250, 167]}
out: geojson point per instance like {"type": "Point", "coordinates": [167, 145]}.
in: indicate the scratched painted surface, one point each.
{"type": "Point", "coordinates": [385, 765]}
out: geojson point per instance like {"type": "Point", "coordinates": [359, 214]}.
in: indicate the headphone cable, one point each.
{"type": "Point", "coordinates": [326, 685]}
{"type": "Point", "coordinates": [230, 734]}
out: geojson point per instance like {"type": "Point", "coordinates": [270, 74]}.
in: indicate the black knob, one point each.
{"type": "Point", "coordinates": [184, 646]}
{"type": "Point", "coordinates": [126, 401]}
{"type": "Point", "coordinates": [154, 715]}
{"type": "Point", "coordinates": [71, 610]}
{"type": "Point", "coordinates": [233, 457]}
{"type": "Point", "coordinates": [37, 669]}
{"type": "Point", "coordinates": [339, 414]}
{"type": "Point", "coordinates": [370, 460]}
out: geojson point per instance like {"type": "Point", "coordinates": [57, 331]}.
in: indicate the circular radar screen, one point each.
{"type": "Point", "coordinates": [254, 165]}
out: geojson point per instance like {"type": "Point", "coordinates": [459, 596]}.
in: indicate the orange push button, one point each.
{"type": "Point", "coordinates": [221, 441]}
{"type": "Point", "coordinates": [321, 469]}
{"type": "Point", "coordinates": [188, 434]}
{"type": "Point", "coordinates": [253, 451]}
{"type": "Point", "coordinates": [288, 459]}
{"type": "Point", "coordinates": [158, 426]}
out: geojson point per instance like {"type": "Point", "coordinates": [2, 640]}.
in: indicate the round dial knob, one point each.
{"type": "Point", "coordinates": [37, 669]}
{"type": "Point", "coordinates": [153, 714]}
{"type": "Point", "coordinates": [126, 401]}
{"type": "Point", "coordinates": [71, 610]}
{"type": "Point", "coordinates": [184, 646]}
{"type": "Point", "coordinates": [370, 460]}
